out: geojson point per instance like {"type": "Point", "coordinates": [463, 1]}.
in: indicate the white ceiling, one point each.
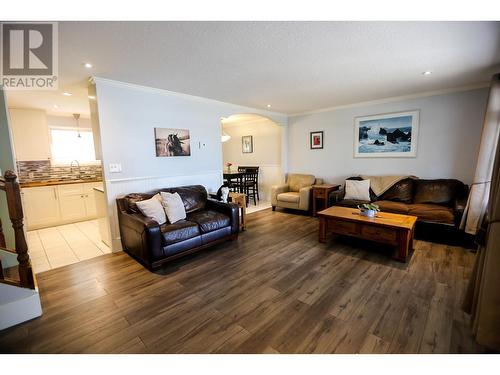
{"type": "Point", "coordinates": [294, 66]}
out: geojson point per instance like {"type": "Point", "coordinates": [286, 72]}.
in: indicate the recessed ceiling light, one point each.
{"type": "Point", "coordinates": [56, 106]}
{"type": "Point", "coordinates": [91, 97]}
{"type": "Point", "coordinates": [427, 73]}
{"type": "Point", "coordinates": [67, 94]}
{"type": "Point", "coordinates": [269, 106]}
{"type": "Point", "coordinates": [87, 65]}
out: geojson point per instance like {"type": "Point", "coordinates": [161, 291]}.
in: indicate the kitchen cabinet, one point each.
{"type": "Point", "coordinates": [30, 134]}
{"type": "Point", "coordinates": [59, 204]}
{"type": "Point", "coordinates": [41, 206]}
{"type": "Point", "coordinates": [71, 202]}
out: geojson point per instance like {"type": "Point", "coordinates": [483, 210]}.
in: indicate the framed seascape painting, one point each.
{"type": "Point", "coordinates": [247, 144]}
{"type": "Point", "coordinates": [172, 142]}
{"type": "Point", "coordinates": [316, 140]}
{"type": "Point", "coordinates": [387, 135]}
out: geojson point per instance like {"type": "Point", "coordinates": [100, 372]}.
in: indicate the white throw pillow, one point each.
{"type": "Point", "coordinates": [174, 208]}
{"type": "Point", "coordinates": [153, 208]}
{"type": "Point", "coordinates": [357, 190]}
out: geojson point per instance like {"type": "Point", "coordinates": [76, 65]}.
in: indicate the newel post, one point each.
{"type": "Point", "coordinates": [13, 193]}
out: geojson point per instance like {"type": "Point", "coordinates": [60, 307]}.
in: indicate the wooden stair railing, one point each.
{"type": "Point", "coordinates": [9, 184]}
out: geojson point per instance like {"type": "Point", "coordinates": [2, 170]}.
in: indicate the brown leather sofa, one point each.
{"type": "Point", "coordinates": [437, 202]}
{"type": "Point", "coordinates": [208, 222]}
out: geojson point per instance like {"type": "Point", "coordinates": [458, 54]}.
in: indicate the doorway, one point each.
{"type": "Point", "coordinates": [251, 140]}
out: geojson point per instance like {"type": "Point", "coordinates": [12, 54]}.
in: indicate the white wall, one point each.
{"type": "Point", "coordinates": [448, 140]}
{"type": "Point", "coordinates": [127, 115]}
{"type": "Point", "coordinates": [68, 122]}
{"type": "Point", "coordinates": [267, 138]}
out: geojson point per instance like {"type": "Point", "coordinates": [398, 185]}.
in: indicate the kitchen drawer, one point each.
{"type": "Point", "coordinates": [344, 227]}
{"type": "Point", "coordinates": [380, 234]}
{"type": "Point", "coordinates": [70, 189]}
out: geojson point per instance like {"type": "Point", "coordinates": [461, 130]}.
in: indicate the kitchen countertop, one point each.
{"type": "Point", "coordinates": [56, 182]}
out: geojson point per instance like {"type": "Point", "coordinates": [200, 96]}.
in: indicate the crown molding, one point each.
{"type": "Point", "coordinates": [395, 99]}
{"type": "Point", "coordinates": [245, 109]}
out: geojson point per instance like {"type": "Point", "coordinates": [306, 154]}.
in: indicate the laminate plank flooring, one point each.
{"type": "Point", "coordinates": [274, 290]}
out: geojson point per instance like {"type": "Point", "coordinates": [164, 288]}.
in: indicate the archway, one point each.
{"type": "Point", "coordinates": [254, 140]}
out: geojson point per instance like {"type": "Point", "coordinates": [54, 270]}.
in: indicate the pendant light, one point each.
{"type": "Point", "coordinates": [77, 117]}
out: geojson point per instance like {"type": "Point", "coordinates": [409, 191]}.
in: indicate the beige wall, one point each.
{"type": "Point", "coordinates": [266, 151]}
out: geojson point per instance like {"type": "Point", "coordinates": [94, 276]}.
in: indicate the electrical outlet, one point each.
{"type": "Point", "coordinates": [115, 168]}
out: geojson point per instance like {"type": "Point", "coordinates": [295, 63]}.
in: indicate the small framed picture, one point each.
{"type": "Point", "coordinates": [316, 140]}
{"type": "Point", "coordinates": [247, 144]}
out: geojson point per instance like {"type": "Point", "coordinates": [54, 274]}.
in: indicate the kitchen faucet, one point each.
{"type": "Point", "coordinates": [78, 168]}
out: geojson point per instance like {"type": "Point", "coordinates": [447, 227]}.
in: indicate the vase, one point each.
{"type": "Point", "coordinates": [368, 213]}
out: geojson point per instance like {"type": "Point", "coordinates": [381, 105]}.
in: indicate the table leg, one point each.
{"type": "Point", "coordinates": [243, 214]}
{"type": "Point", "coordinates": [405, 239]}
{"type": "Point", "coordinates": [322, 230]}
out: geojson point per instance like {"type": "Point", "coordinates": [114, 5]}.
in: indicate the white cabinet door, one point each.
{"type": "Point", "coordinates": [41, 206]}
{"type": "Point", "coordinates": [30, 134]}
{"type": "Point", "coordinates": [71, 202]}
{"type": "Point", "coordinates": [89, 197]}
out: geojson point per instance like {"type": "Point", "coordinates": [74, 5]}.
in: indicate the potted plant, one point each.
{"type": "Point", "coordinates": [368, 209]}
{"type": "Point", "coordinates": [228, 165]}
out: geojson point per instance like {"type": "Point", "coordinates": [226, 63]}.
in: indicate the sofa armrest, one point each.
{"type": "Point", "coordinates": [304, 198]}
{"type": "Point", "coordinates": [141, 236]}
{"type": "Point", "coordinates": [229, 209]}
{"type": "Point", "coordinates": [275, 190]}
{"type": "Point", "coordinates": [336, 196]}
{"type": "Point", "coordinates": [460, 203]}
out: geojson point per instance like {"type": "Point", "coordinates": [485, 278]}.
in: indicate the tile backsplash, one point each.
{"type": "Point", "coordinates": [42, 170]}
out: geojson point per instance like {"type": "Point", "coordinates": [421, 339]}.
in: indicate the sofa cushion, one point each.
{"type": "Point", "coordinates": [373, 196]}
{"type": "Point", "coordinates": [394, 207]}
{"type": "Point", "coordinates": [153, 209]}
{"type": "Point", "coordinates": [173, 206]}
{"type": "Point", "coordinates": [402, 191]}
{"type": "Point", "coordinates": [441, 191]}
{"type": "Point", "coordinates": [357, 190]}
{"type": "Point", "coordinates": [432, 212]}
{"type": "Point", "coordinates": [350, 203]}
{"type": "Point", "coordinates": [209, 220]}
{"type": "Point", "coordinates": [298, 181]}
{"type": "Point", "coordinates": [194, 197]}
{"type": "Point", "coordinates": [291, 197]}
{"type": "Point", "coordinates": [180, 231]}
{"type": "Point", "coordinates": [132, 199]}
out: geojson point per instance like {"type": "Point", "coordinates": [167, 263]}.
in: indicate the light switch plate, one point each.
{"type": "Point", "coordinates": [115, 168]}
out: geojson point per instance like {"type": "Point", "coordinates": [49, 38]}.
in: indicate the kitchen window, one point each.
{"type": "Point", "coordinates": [72, 144]}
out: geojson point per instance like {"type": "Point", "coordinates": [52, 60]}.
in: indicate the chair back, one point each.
{"type": "Point", "coordinates": [298, 181]}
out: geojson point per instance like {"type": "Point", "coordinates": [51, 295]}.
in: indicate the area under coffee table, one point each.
{"type": "Point", "coordinates": [392, 229]}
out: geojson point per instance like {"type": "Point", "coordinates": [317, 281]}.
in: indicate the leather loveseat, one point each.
{"type": "Point", "coordinates": [438, 202]}
{"type": "Point", "coordinates": [208, 222]}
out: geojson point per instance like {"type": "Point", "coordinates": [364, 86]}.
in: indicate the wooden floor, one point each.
{"type": "Point", "coordinates": [275, 290]}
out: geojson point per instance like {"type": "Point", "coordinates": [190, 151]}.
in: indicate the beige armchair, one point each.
{"type": "Point", "coordinates": [295, 193]}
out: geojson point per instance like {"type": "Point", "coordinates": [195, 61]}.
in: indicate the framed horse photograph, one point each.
{"type": "Point", "coordinates": [172, 142]}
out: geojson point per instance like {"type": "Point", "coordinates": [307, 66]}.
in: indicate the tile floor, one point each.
{"type": "Point", "coordinates": [59, 246]}
{"type": "Point", "coordinates": [261, 205]}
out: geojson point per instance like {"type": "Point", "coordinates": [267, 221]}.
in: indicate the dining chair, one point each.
{"type": "Point", "coordinates": [251, 183]}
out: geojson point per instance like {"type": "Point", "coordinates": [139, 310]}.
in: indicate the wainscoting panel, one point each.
{"type": "Point", "coordinates": [119, 187]}
{"type": "Point", "coordinates": [269, 175]}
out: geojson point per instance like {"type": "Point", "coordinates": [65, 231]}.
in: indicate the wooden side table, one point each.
{"type": "Point", "coordinates": [240, 199]}
{"type": "Point", "coordinates": [322, 192]}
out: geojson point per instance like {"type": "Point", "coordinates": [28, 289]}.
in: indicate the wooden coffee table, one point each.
{"type": "Point", "coordinates": [392, 229]}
